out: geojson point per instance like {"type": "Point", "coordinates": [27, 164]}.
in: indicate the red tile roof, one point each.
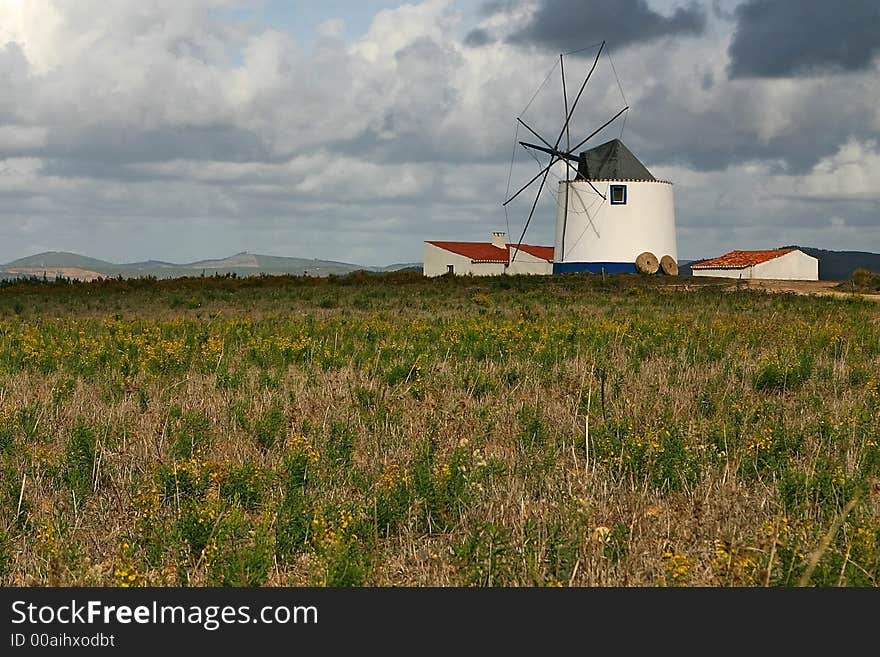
{"type": "Point", "coordinates": [477, 251]}
{"type": "Point", "coordinates": [740, 259]}
{"type": "Point", "coordinates": [486, 252]}
{"type": "Point", "coordinates": [542, 252]}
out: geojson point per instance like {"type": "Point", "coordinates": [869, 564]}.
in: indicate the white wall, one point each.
{"type": "Point", "coordinates": [436, 261]}
{"type": "Point", "coordinates": [794, 266]}
{"type": "Point", "coordinates": [743, 273]}
{"type": "Point", "coordinates": [526, 263]}
{"type": "Point", "coordinates": [596, 231]}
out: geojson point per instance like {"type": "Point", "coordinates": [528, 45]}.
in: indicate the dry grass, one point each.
{"type": "Point", "coordinates": [391, 430]}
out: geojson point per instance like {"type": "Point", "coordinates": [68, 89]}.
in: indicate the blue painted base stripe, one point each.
{"type": "Point", "coordinates": [594, 267]}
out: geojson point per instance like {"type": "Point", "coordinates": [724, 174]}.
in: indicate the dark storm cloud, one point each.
{"type": "Point", "coordinates": [714, 140]}
{"type": "Point", "coordinates": [787, 38]}
{"type": "Point", "coordinates": [102, 153]}
{"type": "Point", "coordinates": [492, 7]}
{"type": "Point", "coordinates": [477, 38]}
{"type": "Point", "coordinates": [722, 12]}
{"type": "Point", "coordinates": [574, 24]}
{"type": "Point", "coordinates": [704, 143]}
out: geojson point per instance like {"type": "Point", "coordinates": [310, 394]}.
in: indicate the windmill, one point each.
{"type": "Point", "coordinates": [614, 216]}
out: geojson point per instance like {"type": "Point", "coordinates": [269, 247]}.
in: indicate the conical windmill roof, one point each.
{"type": "Point", "coordinates": [614, 161]}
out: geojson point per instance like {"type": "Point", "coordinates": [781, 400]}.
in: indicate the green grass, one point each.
{"type": "Point", "coordinates": [392, 430]}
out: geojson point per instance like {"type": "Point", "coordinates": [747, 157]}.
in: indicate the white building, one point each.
{"type": "Point", "coordinates": [486, 258]}
{"type": "Point", "coordinates": [779, 264]}
{"type": "Point", "coordinates": [612, 212]}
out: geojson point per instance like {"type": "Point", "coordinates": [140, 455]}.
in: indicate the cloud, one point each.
{"type": "Point", "coordinates": [751, 206]}
{"type": "Point", "coordinates": [852, 175]}
{"type": "Point", "coordinates": [789, 124]}
{"type": "Point", "coordinates": [180, 130]}
{"type": "Point", "coordinates": [478, 37]}
{"type": "Point", "coordinates": [566, 25]}
{"type": "Point", "coordinates": [775, 39]}
{"type": "Point", "coordinates": [172, 116]}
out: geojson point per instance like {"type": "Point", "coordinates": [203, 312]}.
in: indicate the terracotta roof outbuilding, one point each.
{"type": "Point", "coordinates": [741, 259]}
{"type": "Point", "coordinates": [487, 252]}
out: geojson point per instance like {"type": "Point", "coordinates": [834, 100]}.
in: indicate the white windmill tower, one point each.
{"type": "Point", "coordinates": [613, 216]}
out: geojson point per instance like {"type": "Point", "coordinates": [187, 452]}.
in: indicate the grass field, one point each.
{"type": "Point", "coordinates": [390, 430]}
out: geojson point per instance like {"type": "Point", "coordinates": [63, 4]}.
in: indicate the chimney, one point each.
{"type": "Point", "coordinates": [499, 240]}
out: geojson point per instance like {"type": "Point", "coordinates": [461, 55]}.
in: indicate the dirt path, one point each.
{"type": "Point", "coordinates": [818, 288]}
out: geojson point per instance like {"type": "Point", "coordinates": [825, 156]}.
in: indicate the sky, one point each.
{"type": "Point", "coordinates": [354, 130]}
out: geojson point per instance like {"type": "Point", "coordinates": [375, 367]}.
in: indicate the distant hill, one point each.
{"type": "Point", "coordinates": [248, 264]}
{"type": "Point", "coordinates": [840, 265]}
{"type": "Point", "coordinates": [60, 260]}
{"type": "Point", "coordinates": [53, 264]}
{"type": "Point", "coordinates": [405, 266]}
{"type": "Point", "coordinates": [833, 265]}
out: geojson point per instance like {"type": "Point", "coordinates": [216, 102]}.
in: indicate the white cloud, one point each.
{"type": "Point", "coordinates": [162, 116]}
{"type": "Point", "coordinates": [852, 174]}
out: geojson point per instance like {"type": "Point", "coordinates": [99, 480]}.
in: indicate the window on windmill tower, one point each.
{"type": "Point", "coordinates": [618, 194]}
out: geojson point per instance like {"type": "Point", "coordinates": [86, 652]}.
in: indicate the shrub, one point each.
{"type": "Point", "coordinates": [340, 445]}
{"type": "Point", "coordinates": [243, 485]}
{"type": "Point", "coordinates": [185, 482]}
{"type": "Point", "coordinates": [484, 556]}
{"type": "Point", "coordinates": [239, 412]}
{"type": "Point", "coordinates": [392, 501]}
{"type": "Point", "coordinates": [770, 449]}
{"type": "Point", "coordinates": [63, 391]}
{"type": "Point", "coordinates": [337, 539]}
{"type": "Point", "coordinates": [299, 464]}
{"type": "Point", "coordinates": [532, 433]}
{"type": "Point", "coordinates": [226, 380]}
{"type": "Point", "coordinates": [440, 487]}
{"type": "Point", "coordinates": [196, 527]}
{"type": "Point", "coordinates": [660, 457]}
{"type": "Point", "coordinates": [193, 436]}
{"type": "Point", "coordinates": [827, 490]}
{"type": "Point", "coordinates": [561, 553]}
{"type": "Point", "coordinates": [293, 525]}
{"type": "Point", "coordinates": [866, 280]}
{"type": "Point", "coordinates": [243, 552]}
{"type": "Point", "coordinates": [399, 373]}
{"type": "Point", "coordinates": [80, 458]}
{"type": "Point", "coordinates": [858, 376]}
{"type": "Point", "coordinates": [269, 426]}
{"type": "Point", "coordinates": [7, 431]}
{"type": "Point", "coordinates": [347, 565]}
{"type": "Point", "coordinates": [674, 465]}
{"type": "Point", "coordinates": [617, 543]}
{"type": "Point", "coordinates": [482, 299]}
{"type": "Point", "coordinates": [5, 555]}
{"type": "Point", "coordinates": [777, 373]}
{"type": "Point", "coordinates": [480, 385]}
